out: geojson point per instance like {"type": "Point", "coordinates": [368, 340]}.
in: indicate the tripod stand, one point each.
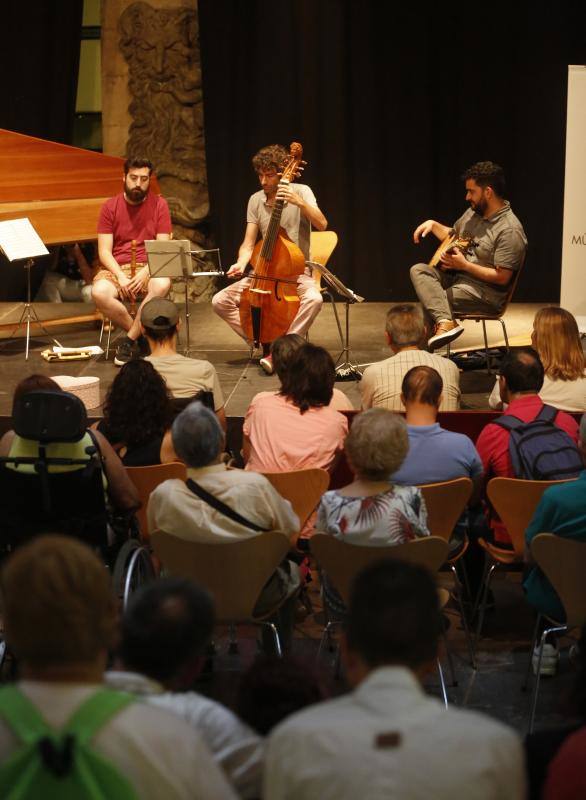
{"type": "Point", "coordinates": [29, 315]}
{"type": "Point", "coordinates": [346, 370]}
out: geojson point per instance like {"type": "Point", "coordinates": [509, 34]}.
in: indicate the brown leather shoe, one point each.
{"type": "Point", "coordinates": [445, 331]}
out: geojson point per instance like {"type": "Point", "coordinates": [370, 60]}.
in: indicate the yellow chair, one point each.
{"type": "Point", "coordinates": [563, 561]}
{"type": "Point", "coordinates": [146, 479]}
{"type": "Point", "coordinates": [321, 246]}
{"type": "Point", "coordinates": [234, 572]}
{"type": "Point", "coordinates": [515, 501]}
{"type": "Point", "coordinates": [342, 562]}
{"type": "Point", "coordinates": [445, 503]}
{"type": "Point", "coordinates": [303, 488]}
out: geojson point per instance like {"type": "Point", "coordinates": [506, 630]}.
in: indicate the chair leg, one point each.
{"type": "Point", "coordinates": [488, 369]}
{"type": "Point", "coordinates": [450, 660]}
{"type": "Point", "coordinates": [440, 673]}
{"type": "Point", "coordinates": [233, 643]}
{"type": "Point", "coordinates": [538, 676]}
{"type": "Point", "coordinates": [458, 590]}
{"type": "Point", "coordinates": [482, 608]}
{"type": "Point", "coordinates": [504, 327]}
{"type": "Point", "coordinates": [525, 685]}
{"type": "Point", "coordinates": [277, 641]}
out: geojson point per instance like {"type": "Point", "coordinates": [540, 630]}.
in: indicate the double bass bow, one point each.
{"type": "Point", "coordinates": [270, 303]}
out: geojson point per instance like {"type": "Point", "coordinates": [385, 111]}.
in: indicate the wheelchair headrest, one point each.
{"type": "Point", "coordinates": [46, 416]}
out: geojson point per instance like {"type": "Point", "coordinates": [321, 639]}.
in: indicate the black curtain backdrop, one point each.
{"type": "Point", "coordinates": [391, 104]}
{"type": "Point", "coordinates": [39, 67]}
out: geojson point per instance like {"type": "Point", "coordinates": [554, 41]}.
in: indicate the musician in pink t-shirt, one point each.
{"type": "Point", "coordinates": [133, 215]}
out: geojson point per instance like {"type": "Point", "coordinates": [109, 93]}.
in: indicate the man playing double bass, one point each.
{"type": "Point", "coordinates": [300, 214]}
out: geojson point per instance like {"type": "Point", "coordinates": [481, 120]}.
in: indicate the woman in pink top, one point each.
{"type": "Point", "coordinates": [296, 428]}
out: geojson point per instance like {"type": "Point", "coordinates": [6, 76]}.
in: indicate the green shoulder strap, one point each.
{"type": "Point", "coordinates": [22, 776]}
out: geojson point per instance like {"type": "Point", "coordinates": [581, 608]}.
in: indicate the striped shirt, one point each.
{"type": "Point", "coordinates": [380, 386]}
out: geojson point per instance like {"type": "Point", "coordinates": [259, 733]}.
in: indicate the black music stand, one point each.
{"type": "Point", "coordinates": [20, 242]}
{"type": "Point", "coordinates": [173, 258]}
{"type": "Point", "coordinates": [346, 369]}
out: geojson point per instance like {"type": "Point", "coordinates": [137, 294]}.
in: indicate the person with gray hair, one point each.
{"type": "Point", "coordinates": [178, 510]}
{"type": "Point", "coordinates": [561, 511]}
{"type": "Point", "coordinates": [372, 511]}
{"type": "Point", "coordinates": [405, 334]}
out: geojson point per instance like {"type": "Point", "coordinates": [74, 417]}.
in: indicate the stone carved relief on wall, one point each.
{"type": "Point", "coordinates": [161, 47]}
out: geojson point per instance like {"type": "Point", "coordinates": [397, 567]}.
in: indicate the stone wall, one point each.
{"type": "Point", "coordinates": [152, 105]}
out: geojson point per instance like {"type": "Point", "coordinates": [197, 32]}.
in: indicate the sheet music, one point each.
{"type": "Point", "coordinates": [19, 240]}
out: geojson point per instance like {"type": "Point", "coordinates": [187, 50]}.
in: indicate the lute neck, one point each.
{"type": "Point", "coordinates": [273, 228]}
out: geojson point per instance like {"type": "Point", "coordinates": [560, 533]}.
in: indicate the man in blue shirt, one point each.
{"type": "Point", "coordinates": [435, 455]}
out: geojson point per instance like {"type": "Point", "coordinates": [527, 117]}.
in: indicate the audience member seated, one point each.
{"type": "Point", "coordinates": [296, 428]}
{"type": "Point", "coordinates": [562, 511]}
{"type": "Point", "coordinates": [406, 334]}
{"type": "Point", "coordinates": [70, 275]}
{"type": "Point", "coordinates": [386, 738]}
{"type": "Point", "coordinates": [164, 633]}
{"type": "Point", "coordinates": [186, 378]}
{"type": "Point", "coordinates": [557, 340]}
{"type": "Point", "coordinates": [60, 620]}
{"type": "Point", "coordinates": [121, 492]}
{"type": "Point", "coordinates": [372, 510]}
{"type": "Point", "coordinates": [274, 688]}
{"type": "Point", "coordinates": [434, 455]}
{"type": "Point", "coordinates": [138, 415]}
{"type": "Point", "coordinates": [281, 351]}
{"type": "Point", "coordinates": [520, 381]}
{"type": "Point", "coordinates": [177, 509]}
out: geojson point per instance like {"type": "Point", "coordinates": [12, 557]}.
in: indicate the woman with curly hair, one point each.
{"type": "Point", "coordinates": [557, 340]}
{"type": "Point", "coordinates": [138, 415]}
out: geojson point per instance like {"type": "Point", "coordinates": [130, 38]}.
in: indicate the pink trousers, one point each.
{"type": "Point", "coordinates": [226, 304]}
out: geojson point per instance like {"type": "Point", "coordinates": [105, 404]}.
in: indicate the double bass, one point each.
{"type": "Point", "coordinates": [270, 303]}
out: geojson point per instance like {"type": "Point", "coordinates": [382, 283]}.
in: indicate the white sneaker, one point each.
{"type": "Point", "coordinates": [549, 659]}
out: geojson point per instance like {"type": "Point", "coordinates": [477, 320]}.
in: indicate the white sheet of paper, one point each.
{"type": "Point", "coordinates": [19, 239]}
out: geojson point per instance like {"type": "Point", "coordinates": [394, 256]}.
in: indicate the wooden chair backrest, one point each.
{"type": "Point", "coordinates": [234, 572]}
{"type": "Point", "coordinates": [342, 561]}
{"type": "Point", "coordinates": [321, 246]}
{"type": "Point", "coordinates": [564, 563]}
{"type": "Point", "coordinates": [515, 501]}
{"type": "Point", "coordinates": [303, 488]}
{"type": "Point", "coordinates": [146, 479]}
{"type": "Point", "coordinates": [445, 503]}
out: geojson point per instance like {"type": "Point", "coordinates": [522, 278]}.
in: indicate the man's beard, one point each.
{"type": "Point", "coordinates": [136, 195]}
{"type": "Point", "coordinates": [480, 208]}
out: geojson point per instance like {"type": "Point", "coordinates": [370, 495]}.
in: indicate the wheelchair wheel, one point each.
{"type": "Point", "coordinates": [132, 569]}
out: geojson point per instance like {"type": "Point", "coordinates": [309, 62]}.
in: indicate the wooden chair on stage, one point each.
{"type": "Point", "coordinates": [496, 317]}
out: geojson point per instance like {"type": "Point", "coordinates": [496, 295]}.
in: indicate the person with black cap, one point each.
{"type": "Point", "coordinates": [186, 378]}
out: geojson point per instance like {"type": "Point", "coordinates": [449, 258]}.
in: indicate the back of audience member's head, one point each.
{"type": "Point", "coordinates": [281, 351]}
{"type": "Point", "coordinates": [309, 379]}
{"type": "Point", "coordinates": [273, 688]}
{"type": "Point", "coordinates": [405, 325]}
{"type": "Point", "coordinates": [522, 370]}
{"type": "Point", "coordinates": [557, 340]}
{"type": "Point", "coordinates": [57, 602]}
{"type": "Point", "coordinates": [166, 627]}
{"type": "Point", "coordinates": [377, 444]}
{"type": "Point", "coordinates": [422, 385]}
{"type": "Point", "coordinates": [198, 438]}
{"type": "Point", "coordinates": [393, 616]}
{"type": "Point", "coordinates": [138, 405]}
{"type": "Point", "coordinates": [34, 383]}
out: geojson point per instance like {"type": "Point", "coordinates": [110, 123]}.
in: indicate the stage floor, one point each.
{"type": "Point", "coordinates": [240, 377]}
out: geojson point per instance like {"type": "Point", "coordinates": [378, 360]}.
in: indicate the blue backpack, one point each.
{"type": "Point", "coordinates": [539, 450]}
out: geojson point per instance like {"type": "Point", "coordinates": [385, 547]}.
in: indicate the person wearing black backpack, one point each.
{"type": "Point", "coordinates": [530, 440]}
